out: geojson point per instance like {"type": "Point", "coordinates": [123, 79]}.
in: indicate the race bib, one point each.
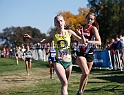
{"type": "Point", "coordinates": [63, 53]}
{"type": "Point", "coordinates": [28, 56]}
{"type": "Point", "coordinates": [53, 54]}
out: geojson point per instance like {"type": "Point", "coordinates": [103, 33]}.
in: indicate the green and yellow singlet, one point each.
{"type": "Point", "coordinates": [62, 45]}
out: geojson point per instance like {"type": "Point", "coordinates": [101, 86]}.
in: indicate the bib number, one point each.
{"type": "Point", "coordinates": [53, 54]}
{"type": "Point", "coordinates": [63, 53]}
{"type": "Point", "coordinates": [28, 56]}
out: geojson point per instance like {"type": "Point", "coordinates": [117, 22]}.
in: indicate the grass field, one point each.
{"type": "Point", "coordinates": [14, 80]}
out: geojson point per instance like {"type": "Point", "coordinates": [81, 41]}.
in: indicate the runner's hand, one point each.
{"type": "Point", "coordinates": [27, 36]}
{"type": "Point", "coordinates": [80, 29]}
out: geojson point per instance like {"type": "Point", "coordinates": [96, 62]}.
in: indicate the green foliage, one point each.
{"type": "Point", "coordinates": [110, 15]}
{"type": "Point", "coordinates": [14, 35]}
{"type": "Point", "coordinates": [75, 19]}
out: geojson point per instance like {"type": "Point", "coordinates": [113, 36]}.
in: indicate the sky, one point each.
{"type": "Point", "coordinates": [35, 13]}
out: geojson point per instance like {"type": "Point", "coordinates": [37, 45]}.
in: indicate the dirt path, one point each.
{"type": "Point", "coordinates": [20, 79]}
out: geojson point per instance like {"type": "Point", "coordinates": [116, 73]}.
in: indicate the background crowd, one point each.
{"type": "Point", "coordinates": [115, 47]}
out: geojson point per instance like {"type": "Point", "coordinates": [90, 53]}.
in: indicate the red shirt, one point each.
{"type": "Point", "coordinates": [88, 35]}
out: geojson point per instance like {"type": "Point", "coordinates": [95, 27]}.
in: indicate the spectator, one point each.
{"type": "Point", "coordinates": [116, 46]}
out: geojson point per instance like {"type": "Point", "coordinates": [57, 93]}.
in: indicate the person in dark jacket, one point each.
{"type": "Point", "coordinates": [117, 48]}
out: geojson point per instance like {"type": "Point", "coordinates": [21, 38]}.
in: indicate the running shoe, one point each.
{"type": "Point", "coordinates": [51, 77]}
{"type": "Point", "coordinates": [79, 93]}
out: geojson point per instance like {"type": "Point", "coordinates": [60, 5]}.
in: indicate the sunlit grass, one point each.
{"type": "Point", "coordinates": [14, 81]}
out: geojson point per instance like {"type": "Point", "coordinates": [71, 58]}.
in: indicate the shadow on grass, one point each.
{"type": "Point", "coordinates": [76, 69]}
{"type": "Point", "coordinates": [119, 79]}
{"type": "Point", "coordinates": [107, 88]}
{"type": "Point", "coordinates": [10, 64]}
{"type": "Point", "coordinates": [109, 75]}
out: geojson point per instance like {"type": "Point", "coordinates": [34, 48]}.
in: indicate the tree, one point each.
{"type": "Point", "coordinates": [13, 36]}
{"type": "Point", "coordinates": [110, 15]}
{"type": "Point", "coordinates": [75, 19]}
{"type": "Point", "coordinates": [72, 20]}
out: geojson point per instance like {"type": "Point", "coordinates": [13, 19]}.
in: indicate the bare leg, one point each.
{"type": "Point", "coordinates": [23, 58]}
{"type": "Point", "coordinates": [51, 68]}
{"type": "Point", "coordinates": [68, 72]}
{"type": "Point", "coordinates": [85, 67]}
{"type": "Point", "coordinates": [26, 63]}
{"type": "Point", "coordinates": [29, 64]}
{"type": "Point", "coordinates": [17, 60]}
{"type": "Point", "coordinates": [60, 71]}
{"type": "Point", "coordinates": [86, 80]}
{"type": "Point", "coordinates": [123, 62]}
